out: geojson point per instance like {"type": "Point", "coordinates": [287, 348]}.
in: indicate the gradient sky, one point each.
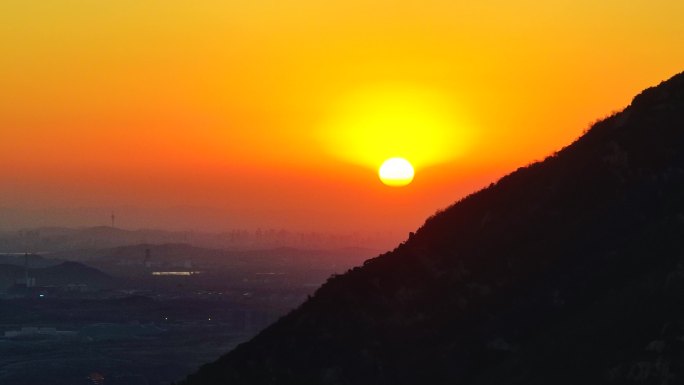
{"type": "Point", "coordinates": [278, 113]}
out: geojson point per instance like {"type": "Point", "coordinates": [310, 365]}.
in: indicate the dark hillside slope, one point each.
{"type": "Point", "coordinates": [568, 271]}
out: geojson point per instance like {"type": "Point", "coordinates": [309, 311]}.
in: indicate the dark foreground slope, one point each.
{"type": "Point", "coordinates": [569, 271]}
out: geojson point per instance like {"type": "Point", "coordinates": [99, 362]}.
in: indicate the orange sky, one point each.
{"type": "Point", "coordinates": [278, 113]}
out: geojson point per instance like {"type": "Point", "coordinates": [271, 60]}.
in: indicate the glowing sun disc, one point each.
{"type": "Point", "coordinates": [396, 172]}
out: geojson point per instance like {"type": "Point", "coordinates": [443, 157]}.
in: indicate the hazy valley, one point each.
{"type": "Point", "coordinates": [142, 313]}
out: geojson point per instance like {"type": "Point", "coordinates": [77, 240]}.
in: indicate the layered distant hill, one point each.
{"type": "Point", "coordinates": [223, 265]}
{"type": "Point", "coordinates": [568, 271]}
{"type": "Point", "coordinates": [54, 239]}
{"type": "Point", "coordinates": [51, 239]}
{"type": "Point", "coordinates": [62, 274]}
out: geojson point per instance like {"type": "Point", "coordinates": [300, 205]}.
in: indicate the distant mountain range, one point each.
{"type": "Point", "coordinates": [135, 260]}
{"type": "Point", "coordinates": [51, 239]}
{"type": "Point", "coordinates": [54, 239]}
{"type": "Point", "coordinates": [567, 271]}
{"type": "Point", "coordinates": [61, 274]}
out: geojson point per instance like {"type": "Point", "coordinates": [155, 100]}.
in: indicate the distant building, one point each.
{"type": "Point", "coordinates": [27, 281]}
{"type": "Point", "coordinates": [96, 378]}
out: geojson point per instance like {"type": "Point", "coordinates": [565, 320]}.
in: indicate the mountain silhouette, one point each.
{"type": "Point", "coordinates": [566, 271]}
{"type": "Point", "coordinates": [61, 274]}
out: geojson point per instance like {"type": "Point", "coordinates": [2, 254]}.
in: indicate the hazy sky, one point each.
{"type": "Point", "coordinates": [278, 113]}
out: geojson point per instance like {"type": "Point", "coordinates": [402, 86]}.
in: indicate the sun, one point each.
{"type": "Point", "coordinates": [396, 172]}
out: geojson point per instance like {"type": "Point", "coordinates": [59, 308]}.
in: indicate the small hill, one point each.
{"type": "Point", "coordinates": [258, 259]}
{"type": "Point", "coordinates": [567, 271]}
{"type": "Point", "coordinates": [73, 273]}
{"type": "Point", "coordinates": [66, 273]}
{"type": "Point", "coordinates": [33, 260]}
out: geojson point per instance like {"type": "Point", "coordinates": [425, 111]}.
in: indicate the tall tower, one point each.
{"type": "Point", "coordinates": [112, 219]}
{"type": "Point", "coordinates": [28, 280]}
{"type": "Point", "coordinates": [26, 273]}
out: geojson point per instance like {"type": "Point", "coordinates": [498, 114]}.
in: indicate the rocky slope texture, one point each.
{"type": "Point", "coordinates": [568, 271]}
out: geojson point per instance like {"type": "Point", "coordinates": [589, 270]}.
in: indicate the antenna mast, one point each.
{"type": "Point", "coordinates": [26, 272]}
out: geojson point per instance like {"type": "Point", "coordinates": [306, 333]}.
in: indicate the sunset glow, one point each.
{"type": "Point", "coordinates": [374, 123]}
{"type": "Point", "coordinates": [218, 115]}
